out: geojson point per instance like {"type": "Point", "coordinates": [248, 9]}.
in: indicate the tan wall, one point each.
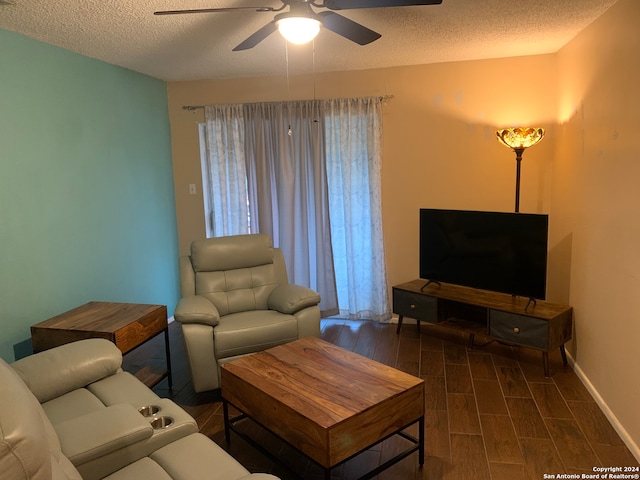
{"type": "Point", "coordinates": [596, 206]}
{"type": "Point", "coordinates": [439, 150]}
{"type": "Point", "coordinates": [439, 146]}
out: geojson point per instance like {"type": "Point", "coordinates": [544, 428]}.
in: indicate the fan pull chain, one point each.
{"type": "Point", "coordinates": [313, 67]}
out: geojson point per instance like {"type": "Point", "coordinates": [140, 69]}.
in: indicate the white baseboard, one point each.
{"type": "Point", "coordinates": [615, 423]}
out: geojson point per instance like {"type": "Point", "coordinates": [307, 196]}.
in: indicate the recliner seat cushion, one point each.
{"type": "Point", "coordinates": [123, 387]}
{"type": "Point", "coordinates": [206, 460]}
{"type": "Point", "coordinates": [71, 405]}
{"type": "Point", "coordinates": [250, 332]}
{"type": "Point", "coordinates": [191, 458]}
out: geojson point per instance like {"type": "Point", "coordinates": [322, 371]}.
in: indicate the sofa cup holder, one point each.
{"type": "Point", "coordinates": [149, 410]}
{"type": "Point", "coordinates": [161, 422]}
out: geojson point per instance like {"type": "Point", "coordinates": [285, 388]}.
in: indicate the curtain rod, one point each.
{"type": "Point", "coordinates": [192, 108]}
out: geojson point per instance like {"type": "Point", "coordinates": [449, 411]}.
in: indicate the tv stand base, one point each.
{"type": "Point", "coordinates": [512, 320]}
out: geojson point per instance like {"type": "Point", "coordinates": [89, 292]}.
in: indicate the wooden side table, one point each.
{"type": "Point", "coordinates": [128, 325]}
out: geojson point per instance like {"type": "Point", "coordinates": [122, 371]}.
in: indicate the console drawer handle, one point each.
{"type": "Point", "coordinates": [516, 330]}
{"type": "Point", "coordinates": [412, 306]}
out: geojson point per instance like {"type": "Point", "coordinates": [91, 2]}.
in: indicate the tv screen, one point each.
{"type": "Point", "coordinates": [502, 252]}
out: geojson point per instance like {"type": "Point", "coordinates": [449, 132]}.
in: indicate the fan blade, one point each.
{"type": "Point", "coordinates": [351, 4]}
{"type": "Point", "coordinates": [215, 10]}
{"type": "Point", "coordinates": [348, 28]}
{"type": "Point", "coordinates": [257, 37]}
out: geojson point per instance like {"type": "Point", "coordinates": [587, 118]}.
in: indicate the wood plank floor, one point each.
{"type": "Point", "coordinates": [490, 412]}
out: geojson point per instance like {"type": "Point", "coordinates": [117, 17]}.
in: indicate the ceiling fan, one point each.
{"type": "Point", "coordinates": [306, 22]}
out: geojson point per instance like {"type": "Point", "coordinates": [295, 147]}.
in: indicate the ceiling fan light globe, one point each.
{"type": "Point", "coordinates": [298, 30]}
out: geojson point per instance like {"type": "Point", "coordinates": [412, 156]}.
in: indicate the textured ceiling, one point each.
{"type": "Point", "coordinates": [189, 47]}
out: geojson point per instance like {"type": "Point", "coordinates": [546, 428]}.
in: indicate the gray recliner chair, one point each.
{"type": "Point", "coordinates": [236, 300]}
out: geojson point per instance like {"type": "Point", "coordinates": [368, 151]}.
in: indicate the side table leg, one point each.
{"type": "Point", "coordinates": [399, 324]}
{"type": "Point", "coordinates": [168, 355]}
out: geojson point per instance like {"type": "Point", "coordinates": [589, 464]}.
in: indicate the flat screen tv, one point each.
{"type": "Point", "coordinates": [497, 251]}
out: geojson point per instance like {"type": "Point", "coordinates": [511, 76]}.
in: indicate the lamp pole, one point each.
{"type": "Point", "coordinates": [519, 152]}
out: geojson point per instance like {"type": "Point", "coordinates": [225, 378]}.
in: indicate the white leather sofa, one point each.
{"type": "Point", "coordinates": [71, 413]}
{"type": "Point", "coordinates": [237, 300]}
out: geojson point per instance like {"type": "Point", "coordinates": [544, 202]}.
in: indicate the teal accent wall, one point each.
{"type": "Point", "coordinates": [87, 208]}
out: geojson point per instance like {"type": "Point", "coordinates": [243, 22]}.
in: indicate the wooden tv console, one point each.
{"type": "Point", "coordinates": [506, 318]}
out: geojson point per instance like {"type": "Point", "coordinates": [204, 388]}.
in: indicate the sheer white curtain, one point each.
{"type": "Point", "coordinates": [223, 169]}
{"type": "Point", "coordinates": [354, 160]}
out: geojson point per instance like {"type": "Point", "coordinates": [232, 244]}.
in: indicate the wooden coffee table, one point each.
{"type": "Point", "coordinates": [128, 325]}
{"type": "Point", "coordinates": [327, 402]}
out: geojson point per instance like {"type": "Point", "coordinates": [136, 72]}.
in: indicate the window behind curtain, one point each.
{"type": "Point", "coordinates": [224, 177]}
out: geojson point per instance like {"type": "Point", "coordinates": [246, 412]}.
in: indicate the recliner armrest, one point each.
{"type": "Point", "coordinates": [196, 309]}
{"type": "Point", "coordinates": [101, 432]}
{"type": "Point", "coordinates": [292, 298]}
{"type": "Point", "coordinates": [52, 373]}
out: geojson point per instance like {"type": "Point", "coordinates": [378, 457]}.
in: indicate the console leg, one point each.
{"type": "Point", "coordinates": [399, 324]}
{"type": "Point", "coordinates": [418, 325]}
{"type": "Point", "coordinates": [472, 338]}
{"type": "Point", "coordinates": [564, 354]}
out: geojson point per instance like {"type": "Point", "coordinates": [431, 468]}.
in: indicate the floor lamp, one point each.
{"type": "Point", "coordinates": [519, 139]}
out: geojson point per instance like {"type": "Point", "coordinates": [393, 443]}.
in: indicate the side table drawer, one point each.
{"type": "Point", "coordinates": [519, 329]}
{"type": "Point", "coordinates": [414, 305]}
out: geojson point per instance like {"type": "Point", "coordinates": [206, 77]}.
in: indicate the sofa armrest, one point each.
{"type": "Point", "coordinates": [52, 373]}
{"type": "Point", "coordinates": [196, 309]}
{"type": "Point", "coordinates": [101, 432]}
{"type": "Point", "coordinates": [291, 298]}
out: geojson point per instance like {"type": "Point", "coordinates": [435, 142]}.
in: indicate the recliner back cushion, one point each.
{"type": "Point", "coordinates": [234, 291]}
{"type": "Point", "coordinates": [231, 253]}
{"type": "Point", "coordinates": [236, 273]}
{"type": "Point", "coordinates": [52, 373]}
{"type": "Point", "coordinates": [27, 448]}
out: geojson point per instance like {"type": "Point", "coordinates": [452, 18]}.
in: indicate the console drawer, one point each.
{"type": "Point", "coordinates": [519, 329]}
{"type": "Point", "coordinates": [414, 305]}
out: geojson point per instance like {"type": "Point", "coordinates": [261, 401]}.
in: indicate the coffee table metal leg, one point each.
{"type": "Point", "coordinates": [225, 414]}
